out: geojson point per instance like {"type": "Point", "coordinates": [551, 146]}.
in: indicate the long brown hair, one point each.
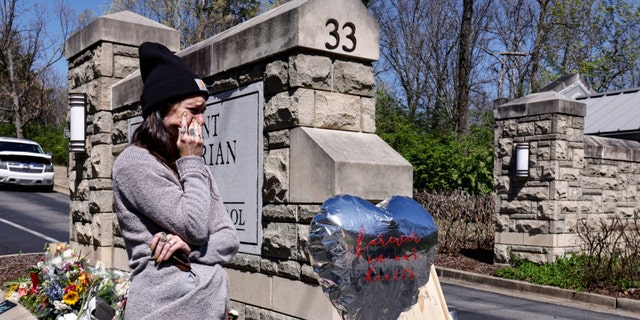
{"type": "Point", "coordinates": [154, 136]}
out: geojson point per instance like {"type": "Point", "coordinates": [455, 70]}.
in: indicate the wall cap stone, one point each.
{"type": "Point", "coordinates": [325, 163]}
{"type": "Point", "coordinates": [612, 149]}
{"type": "Point", "coordinates": [123, 27]}
{"type": "Point", "coordinates": [540, 103]}
{"type": "Point", "coordinates": [293, 25]}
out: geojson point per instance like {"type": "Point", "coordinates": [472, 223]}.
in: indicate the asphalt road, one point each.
{"type": "Point", "coordinates": [470, 303]}
{"type": "Point", "coordinates": [29, 219]}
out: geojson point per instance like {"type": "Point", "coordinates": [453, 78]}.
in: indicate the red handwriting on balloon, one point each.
{"type": "Point", "coordinates": [380, 241]}
{"type": "Point", "coordinates": [381, 259]}
{"type": "Point", "coordinates": [406, 274]}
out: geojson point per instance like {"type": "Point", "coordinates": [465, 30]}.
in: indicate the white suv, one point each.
{"type": "Point", "coordinates": [22, 162]}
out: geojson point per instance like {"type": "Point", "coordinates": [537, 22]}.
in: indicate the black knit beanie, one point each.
{"type": "Point", "coordinates": [165, 78]}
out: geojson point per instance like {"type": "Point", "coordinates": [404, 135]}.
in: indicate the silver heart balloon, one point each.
{"type": "Point", "coordinates": [372, 259]}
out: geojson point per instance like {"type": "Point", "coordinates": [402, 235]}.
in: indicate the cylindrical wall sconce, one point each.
{"type": "Point", "coordinates": [522, 160]}
{"type": "Point", "coordinates": [77, 121]}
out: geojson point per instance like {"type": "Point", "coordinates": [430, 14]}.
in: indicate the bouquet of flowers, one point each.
{"type": "Point", "coordinates": [64, 286]}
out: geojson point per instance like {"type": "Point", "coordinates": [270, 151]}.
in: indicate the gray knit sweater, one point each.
{"type": "Point", "coordinates": [149, 199]}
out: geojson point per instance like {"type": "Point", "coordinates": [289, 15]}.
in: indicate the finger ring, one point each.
{"type": "Point", "coordinates": [170, 244]}
{"type": "Point", "coordinates": [163, 237]}
{"type": "Point", "coordinates": [192, 132]}
{"type": "Point", "coordinates": [183, 130]}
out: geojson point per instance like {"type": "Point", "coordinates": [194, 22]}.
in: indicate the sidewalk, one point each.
{"type": "Point", "coordinates": [590, 301]}
{"type": "Point", "coordinates": [61, 183]}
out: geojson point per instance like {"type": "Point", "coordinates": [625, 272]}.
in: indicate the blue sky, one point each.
{"type": "Point", "coordinates": [94, 5]}
{"type": "Point", "coordinates": [78, 6]}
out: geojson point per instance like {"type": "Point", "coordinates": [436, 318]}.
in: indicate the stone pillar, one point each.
{"type": "Point", "coordinates": [536, 215]}
{"type": "Point", "coordinates": [98, 56]}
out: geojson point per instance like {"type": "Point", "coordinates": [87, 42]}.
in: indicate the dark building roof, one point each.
{"type": "Point", "coordinates": [613, 114]}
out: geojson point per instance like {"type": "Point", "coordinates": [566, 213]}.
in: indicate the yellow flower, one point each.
{"type": "Point", "coordinates": [11, 290]}
{"type": "Point", "coordinates": [70, 298]}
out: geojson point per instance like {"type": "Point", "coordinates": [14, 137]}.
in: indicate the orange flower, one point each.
{"type": "Point", "coordinates": [83, 278]}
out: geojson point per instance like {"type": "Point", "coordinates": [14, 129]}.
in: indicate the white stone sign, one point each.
{"type": "Point", "coordinates": [233, 151]}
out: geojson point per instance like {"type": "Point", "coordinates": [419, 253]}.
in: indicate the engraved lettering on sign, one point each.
{"type": "Point", "coordinates": [235, 210]}
{"type": "Point", "coordinates": [350, 30]}
{"type": "Point", "coordinates": [218, 152]}
{"type": "Point", "coordinates": [233, 151]}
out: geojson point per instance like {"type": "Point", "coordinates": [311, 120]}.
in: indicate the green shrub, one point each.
{"type": "Point", "coordinates": [52, 141]}
{"type": "Point", "coordinates": [574, 272]}
{"type": "Point", "coordinates": [613, 249]}
{"type": "Point", "coordinates": [7, 129]}
{"type": "Point", "coordinates": [443, 162]}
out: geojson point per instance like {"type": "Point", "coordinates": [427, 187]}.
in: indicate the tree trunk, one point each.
{"type": "Point", "coordinates": [537, 47]}
{"type": "Point", "coordinates": [464, 68]}
{"type": "Point", "coordinates": [15, 100]}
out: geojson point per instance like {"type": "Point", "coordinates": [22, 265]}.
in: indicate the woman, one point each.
{"type": "Point", "coordinates": [176, 230]}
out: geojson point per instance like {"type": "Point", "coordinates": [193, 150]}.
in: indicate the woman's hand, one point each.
{"type": "Point", "coordinates": [190, 140]}
{"type": "Point", "coordinates": [163, 246]}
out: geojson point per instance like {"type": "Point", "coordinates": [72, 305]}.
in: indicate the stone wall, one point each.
{"type": "Point", "coordinates": [571, 177]}
{"type": "Point", "coordinates": [318, 135]}
{"type": "Point", "coordinates": [610, 178]}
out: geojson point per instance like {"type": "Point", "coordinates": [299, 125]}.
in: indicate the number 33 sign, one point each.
{"type": "Point", "coordinates": [349, 45]}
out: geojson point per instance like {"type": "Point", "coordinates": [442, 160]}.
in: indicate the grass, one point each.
{"type": "Point", "coordinates": [576, 272]}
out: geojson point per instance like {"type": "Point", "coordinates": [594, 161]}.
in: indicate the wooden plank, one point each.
{"type": "Point", "coordinates": [431, 303]}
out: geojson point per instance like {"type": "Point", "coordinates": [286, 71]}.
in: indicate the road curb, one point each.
{"type": "Point", "coordinates": [624, 304]}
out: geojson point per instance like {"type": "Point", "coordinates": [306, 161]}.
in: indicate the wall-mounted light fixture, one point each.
{"type": "Point", "coordinates": [77, 121]}
{"type": "Point", "coordinates": [522, 160]}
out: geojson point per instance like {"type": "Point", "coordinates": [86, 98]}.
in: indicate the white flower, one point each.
{"type": "Point", "coordinates": [68, 316]}
{"type": "Point", "coordinates": [67, 254]}
{"type": "Point", "coordinates": [14, 297]}
{"type": "Point", "coordinates": [59, 305]}
{"type": "Point", "coordinates": [122, 288]}
{"type": "Point", "coordinates": [56, 261]}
